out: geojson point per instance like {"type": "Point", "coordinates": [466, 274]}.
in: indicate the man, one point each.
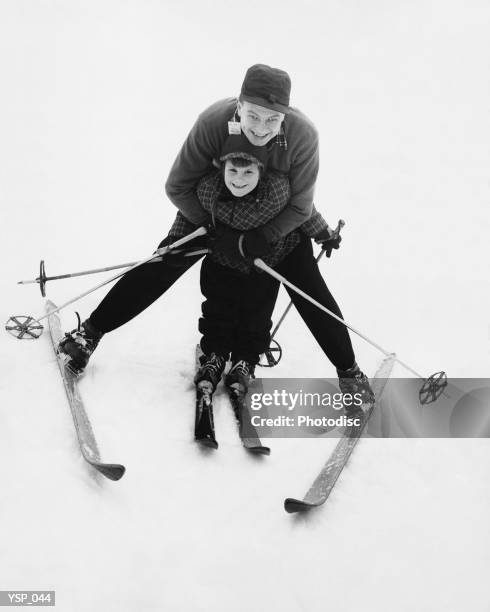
{"type": "Point", "coordinates": [262, 112]}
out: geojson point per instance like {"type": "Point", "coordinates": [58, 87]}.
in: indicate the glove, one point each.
{"type": "Point", "coordinates": [224, 239]}
{"type": "Point", "coordinates": [238, 245]}
{"type": "Point", "coordinates": [255, 243]}
{"type": "Point", "coordinates": [166, 241]}
{"type": "Point", "coordinates": [329, 240]}
{"type": "Point", "coordinates": [200, 242]}
{"type": "Point", "coordinates": [197, 244]}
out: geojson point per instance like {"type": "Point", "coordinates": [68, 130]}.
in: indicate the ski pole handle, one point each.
{"type": "Point", "coordinates": [336, 231]}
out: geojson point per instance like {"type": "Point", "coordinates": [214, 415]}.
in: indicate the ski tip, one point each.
{"type": "Point", "coordinates": [292, 505]}
{"type": "Point", "coordinates": [207, 442]}
{"type": "Point", "coordinates": [113, 471]}
{"type": "Point", "coordinates": [259, 450]}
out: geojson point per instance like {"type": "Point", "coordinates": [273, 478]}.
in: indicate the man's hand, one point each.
{"type": "Point", "coordinates": [197, 244]}
{"type": "Point", "coordinates": [166, 241]}
{"type": "Point", "coordinates": [329, 239]}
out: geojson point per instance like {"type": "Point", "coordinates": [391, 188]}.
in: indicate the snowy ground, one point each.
{"type": "Point", "coordinates": [96, 99]}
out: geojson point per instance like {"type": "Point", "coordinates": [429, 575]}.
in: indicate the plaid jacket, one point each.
{"type": "Point", "coordinates": [251, 211]}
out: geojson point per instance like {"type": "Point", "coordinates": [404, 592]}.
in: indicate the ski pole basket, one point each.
{"type": "Point", "coordinates": [272, 355]}
{"type": "Point", "coordinates": [433, 387]}
{"type": "Point", "coordinates": [24, 327]}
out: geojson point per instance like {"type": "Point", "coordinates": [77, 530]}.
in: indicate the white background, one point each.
{"type": "Point", "coordinates": [96, 99]}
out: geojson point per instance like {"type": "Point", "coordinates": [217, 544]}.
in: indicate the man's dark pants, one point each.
{"type": "Point", "coordinates": [140, 287]}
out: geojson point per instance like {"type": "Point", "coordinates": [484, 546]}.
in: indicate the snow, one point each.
{"type": "Point", "coordinates": [96, 99]}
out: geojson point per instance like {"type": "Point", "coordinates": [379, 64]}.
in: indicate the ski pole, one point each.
{"type": "Point", "coordinates": [433, 385]}
{"type": "Point", "coordinates": [25, 327]}
{"type": "Point", "coordinates": [335, 234]}
{"type": "Point", "coordinates": [274, 347]}
{"type": "Point", "coordinates": [42, 279]}
{"type": "Point", "coordinates": [273, 354]}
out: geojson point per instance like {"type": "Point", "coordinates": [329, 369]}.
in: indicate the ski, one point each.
{"type": "Point", "coordinates": [204, 432]}
{"type": "Point", "coordinates": [325, 481]}
{"type": "Point", "coordinates": [204, 425]}
{"type": "Point", "coordinates": [83, 428]}
{"type": "Point", "coordinates": [246, 431]}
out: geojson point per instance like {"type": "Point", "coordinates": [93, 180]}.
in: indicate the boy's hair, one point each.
{"type": "Point", "coordinates": [242, 161]}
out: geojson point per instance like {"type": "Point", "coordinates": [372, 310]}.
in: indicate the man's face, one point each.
{"type": "Point", "coordinates": [241, 181]}
{"type": "Point", "coordinates": [259, 124]}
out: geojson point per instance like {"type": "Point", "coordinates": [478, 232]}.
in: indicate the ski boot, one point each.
{"type": "Point", "coordinates": [353, 381]}
{"type": "Point", "coordinates": [237, 381]}
{"type": "Point", "coordinates": [78, 345]}
{"type": "Point", "coordinates": [239, 376]}
{"type": "Point", "coordinates": [211, 370]}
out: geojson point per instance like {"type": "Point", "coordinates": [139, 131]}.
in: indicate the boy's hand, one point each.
{"type": "Point", "coordinates": [254, 243]}
{"type": "Point", "coordinates": [224, 239]}
{"type": "Point", "coordinates": [238, 244]}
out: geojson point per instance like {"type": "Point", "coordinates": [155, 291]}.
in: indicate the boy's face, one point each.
{"type": "Point", "coordinates": [241, 180]}
{"type": "Point", "coordinates": [259, 124]}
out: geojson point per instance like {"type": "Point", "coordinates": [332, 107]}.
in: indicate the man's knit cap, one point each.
{"type": "Point", "coordinates": [268, 87]}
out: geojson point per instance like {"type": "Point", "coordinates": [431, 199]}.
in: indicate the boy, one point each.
{"type": "Point", "coordinates": [239, 297]}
